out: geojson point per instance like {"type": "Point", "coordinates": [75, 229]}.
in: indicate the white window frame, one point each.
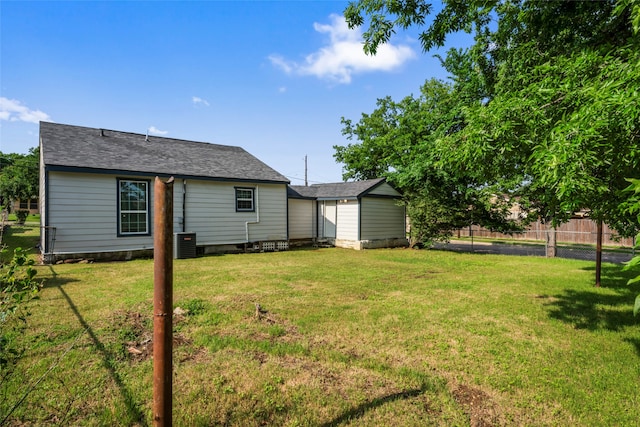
{"type": "Point", "coordinates": [244, 199]}
{"type": "Point", "coordinates": [123, 212]}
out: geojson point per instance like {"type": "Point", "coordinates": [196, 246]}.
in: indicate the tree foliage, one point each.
{"type": "Point", "coordinates": [399, 141]}
{"type": "Point", "coordinates": [19, 176]}
{"type": "Point", "coordinates": [633, 207]}
{"type": "Point", "coordinates": [543, 108]}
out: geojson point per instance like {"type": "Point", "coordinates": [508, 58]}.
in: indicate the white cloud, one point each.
{"type": "Point", "coordinates": [282, 63]}
{"type": "Point", "coordinates": [197, 100]}
{"type": "Point", "coordinates": [12, 110]}
{"type": "Point", "coordinates": [343, 56]}
{"type": "Point", "coordinates": [282, 89]}
{"type": "Point", "coordinates": [155, 131]}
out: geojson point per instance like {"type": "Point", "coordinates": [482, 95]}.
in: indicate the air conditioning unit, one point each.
{"type": "Point", "coordinates": [184, 245]}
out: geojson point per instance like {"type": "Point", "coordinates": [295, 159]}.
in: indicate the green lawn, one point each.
{"type": "Point", "coordinates": [30, 218]}
{"type": "Point", "coordinates": [365, 338]}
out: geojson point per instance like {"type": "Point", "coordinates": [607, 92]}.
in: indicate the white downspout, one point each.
{"type": "Point", "coordinates": [257, 221]}
{"type": "Point", "coordinates": [184, 205]}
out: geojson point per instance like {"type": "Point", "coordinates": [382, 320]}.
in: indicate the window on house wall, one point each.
{"type": "Point", "coordinates": [133, 207]}
{"type": "Point", "coordinates": [29, 204]}
{"type": "Point", "coordinates": [244, 200]}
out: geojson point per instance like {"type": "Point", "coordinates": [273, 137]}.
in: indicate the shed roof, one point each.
{"type": "Point", "coordinates": [336, 190]}
{"type": "Point", "coordinates": [79, 148]}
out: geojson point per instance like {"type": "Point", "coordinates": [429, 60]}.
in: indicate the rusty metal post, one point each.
{"type": "Point", "coordinates": [162, 303]}
{"type": "Point", "coordinates": [598, 252]}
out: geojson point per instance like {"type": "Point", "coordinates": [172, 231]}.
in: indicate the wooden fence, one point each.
{"type": "Point", "coordinates": [577, 230]}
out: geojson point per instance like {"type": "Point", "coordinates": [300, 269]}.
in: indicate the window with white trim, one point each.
{"type": "Point", "coordinates": [244, 200]}
{"type": "Point", "coordinates": [133, 207]}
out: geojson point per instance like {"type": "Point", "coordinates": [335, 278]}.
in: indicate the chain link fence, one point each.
{"type": "Point", "coordinates": [576, 239]}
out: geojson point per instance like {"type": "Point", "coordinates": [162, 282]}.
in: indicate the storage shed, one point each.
{"type": "Point", "coordinates": [359, 215]}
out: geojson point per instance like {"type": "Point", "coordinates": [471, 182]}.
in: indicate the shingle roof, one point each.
{"type": "Point", "coordinates": [336, 190]}
{"type": "Point", "coordinates": [68, 146]}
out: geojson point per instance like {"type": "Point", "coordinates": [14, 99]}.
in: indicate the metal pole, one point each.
{"type": "Point", "coordinates": [598, 252]}
{"type": "Point", "coordinates": [162, 302]}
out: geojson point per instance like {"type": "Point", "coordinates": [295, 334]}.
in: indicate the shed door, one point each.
{"type": "Point", "coordinates": [329, 218]}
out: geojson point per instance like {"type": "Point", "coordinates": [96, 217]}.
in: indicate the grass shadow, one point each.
{"type": "Point", "coordinates": [55, 281]}
{"type": "Point", "coordinates": [108, 359]}
{"type": "Point", "coordinates": [16, 236]}
{"type": "Point", "coordinates": [635, 342]}
{"type": "Point", "coordinates": [613, 276]}
{"type": "Point", "coordinates": [361, 410]}
{"type": "Point", "coordinates": [595, 309]}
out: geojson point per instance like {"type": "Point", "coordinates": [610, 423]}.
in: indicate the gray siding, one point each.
{"type": "Point", "coordinates": [83, 209]}
{"type": "Point", "coordinates": [320, 210]}
{"type": "Point", "coordinates": [381, 218]}
{"type": "Point", "coordinates": [385, 190]}
{"type": "Point", "coordinates": [211, 213]}
{"type": "Point", "coordinates": [302, 219]}
{"type": "Point", "coordinates": [347, 220]}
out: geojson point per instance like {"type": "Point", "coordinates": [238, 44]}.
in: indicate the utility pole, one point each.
{"type": "Point", "coordinates": [163, 303]}
{"type": "Point", "coordinates": [305, 171]}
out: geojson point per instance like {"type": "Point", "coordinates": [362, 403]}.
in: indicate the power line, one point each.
{"type": "Point", "coordinates": [302, 179]}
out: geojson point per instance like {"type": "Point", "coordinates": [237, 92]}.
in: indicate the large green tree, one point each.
{"type": "Point", "coordinates": [398, 141]}
{"type": "Point", "coordinates": [18, 176]}
{"type": "Point", "coordinates": [552, 116]}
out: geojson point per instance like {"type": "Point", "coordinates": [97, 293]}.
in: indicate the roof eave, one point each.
{"type": "Point", "coordinates": [78, 169]}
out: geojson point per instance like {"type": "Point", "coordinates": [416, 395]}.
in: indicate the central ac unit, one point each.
{"type": "Point", "coordinates": [184, 245]}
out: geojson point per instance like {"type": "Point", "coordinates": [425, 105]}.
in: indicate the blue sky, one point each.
{"type": "Point", "coordinates": [273, 77]}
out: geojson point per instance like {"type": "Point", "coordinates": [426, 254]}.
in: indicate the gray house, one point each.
{"type": "Point", "coordinates": [96, 199]}
{"type": "Point", "coordinates": [96, 194]}
{"type": "Point", "coordinates": [359, 215]}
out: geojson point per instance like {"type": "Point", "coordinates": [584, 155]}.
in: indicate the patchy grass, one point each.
{"type": "Point", "coordinates": [341, 337]}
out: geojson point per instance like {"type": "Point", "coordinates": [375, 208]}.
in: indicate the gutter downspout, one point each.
{"type": "Point", "coordinates": [184, 205]}
{"type": "Point", "coordinates": [257, 221]}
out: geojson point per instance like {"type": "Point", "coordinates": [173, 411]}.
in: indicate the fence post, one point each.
{"type": "Point", "coordinates": [163, 303]}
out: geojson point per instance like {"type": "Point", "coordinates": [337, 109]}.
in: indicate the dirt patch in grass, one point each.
{"type": "Point", "coordinates": [135, 331]}
{"type": "Point", "coordinates": [194, 355]}
{"type": "Point", "coordinates": [476, 404]}
{"type": "Point", "coordinates": [547, 298]}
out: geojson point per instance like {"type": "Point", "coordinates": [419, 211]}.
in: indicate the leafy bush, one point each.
{"type": "Point", "coordinates": [17, 287]}
{"type": "Point", "coordinates": [22, 216]}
